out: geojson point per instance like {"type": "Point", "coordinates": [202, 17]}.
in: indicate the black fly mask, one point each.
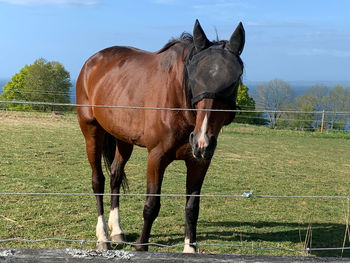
{"type": "Point", "coordinates": [215, 70]}
{"type": "Point", "coordinates": [214, 74]}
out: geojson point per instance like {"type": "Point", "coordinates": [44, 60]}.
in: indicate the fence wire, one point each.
{"type": "Point", "coordinates": [243, 195]}
{"type": "Point", "coordinates": [197, 244]}
{"type": "Point", "coordinates": [164, 108]}
{"type": "Point", "coordinates": [288, 119]}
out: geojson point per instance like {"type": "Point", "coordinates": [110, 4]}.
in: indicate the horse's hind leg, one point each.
{"type": "Point", "coordinates": [118, 177]}
{"type": "Point", "coordinates": [94, 135]}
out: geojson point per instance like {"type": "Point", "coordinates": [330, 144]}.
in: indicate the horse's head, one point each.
{"type": "Point", "coordinates": [214, 73]}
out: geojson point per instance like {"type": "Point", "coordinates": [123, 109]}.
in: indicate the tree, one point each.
{"type": "Point", "coordinates": [41, 81]}
{"type": "Point", "coordinates": [274, 96]}
{"type": "Point", "coordinates": [305, 120]}
{"type": "Point", "coordinates": [315, 99]}
{"type": "Point", "coordinates": [245, 102]}
{"type": "Point", "coordinates": [13, 90]}
{"type": "Point", "coordinates": [338, 100]}
{"type": "Point", "coordinates": [243, 98]}
{"type": "Point", "coordinates": [319, 98]}
{"type": "Point", "coordinates": [316, 95]}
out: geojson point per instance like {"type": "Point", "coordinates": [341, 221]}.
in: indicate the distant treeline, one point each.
{"type": "Point", "coordinates": [319, 106]}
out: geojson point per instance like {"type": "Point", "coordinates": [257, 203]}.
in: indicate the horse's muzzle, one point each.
{"type": "Point", "coordinates": [205, 152]}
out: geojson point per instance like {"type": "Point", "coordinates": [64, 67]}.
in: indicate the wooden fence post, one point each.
{"type": "Point", "coordinates": [322, 121]}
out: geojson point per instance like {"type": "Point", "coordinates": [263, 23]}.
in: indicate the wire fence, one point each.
{"type": "Point", "coordinates": [262, 114]}
{"type": "Point", "coordinates": [200, 244]}
{"type": "Point", "coordinates": [280, 119]}
{"type": "Point", "coordinates": [245, 195]}
{"type": "Point", "coordinates": [197, 244]}
{"type": "Point", "coordinates": [24, 102]}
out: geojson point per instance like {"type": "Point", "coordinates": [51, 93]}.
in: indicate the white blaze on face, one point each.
{"type": "Point", "coordinates": [203, 140]}
{"type": "Point", "coordinates": [114, 222]}
{"type": "Point", "coordinates": [101, 229]}
{"type": "Point", "coordinates": [214, 71]}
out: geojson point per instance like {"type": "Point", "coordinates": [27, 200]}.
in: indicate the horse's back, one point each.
{"type": "Point", "coordinates": [125, 76]}
{"type": "Point", "coordinates": [110, 71]}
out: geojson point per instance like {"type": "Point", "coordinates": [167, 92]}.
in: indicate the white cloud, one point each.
{"type": "Point", "coordinates": [52, 2]}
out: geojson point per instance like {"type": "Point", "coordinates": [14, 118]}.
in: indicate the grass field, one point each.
{"type": "Point", "coordinates": [46, 153]}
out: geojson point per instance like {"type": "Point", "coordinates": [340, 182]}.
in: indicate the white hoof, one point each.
{"type": "Point", "coordinates": [189, 248]}
{"type": "Point", "coordinates": [117, 232]}
{"type": "Point", "coordinates": [102, 234]}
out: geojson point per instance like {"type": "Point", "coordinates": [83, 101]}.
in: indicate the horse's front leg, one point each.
{"type": "Point", "coordinates": [157, 162]}
{"type": "Point", "coordinates": [196, 171]}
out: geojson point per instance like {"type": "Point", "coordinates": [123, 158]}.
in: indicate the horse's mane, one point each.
{"type": "Point", "coordinates": [185, 38]}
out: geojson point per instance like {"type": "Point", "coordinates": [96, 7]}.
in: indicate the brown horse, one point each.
{"type": "Point", "coordinates": [189, 72]}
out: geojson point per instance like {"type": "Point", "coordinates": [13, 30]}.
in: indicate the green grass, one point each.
{"type": "Point", "coordinates": [46, 153]}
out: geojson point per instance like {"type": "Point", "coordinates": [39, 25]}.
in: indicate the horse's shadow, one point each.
{"type": "Point", "coordinates": [324, 235]}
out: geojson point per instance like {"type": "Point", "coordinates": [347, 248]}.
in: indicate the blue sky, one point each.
{"type": "Point", "coordinates": [288, 39]}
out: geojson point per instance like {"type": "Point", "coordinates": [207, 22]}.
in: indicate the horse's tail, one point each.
{"type": "Point", "coordinates": [108, 153]}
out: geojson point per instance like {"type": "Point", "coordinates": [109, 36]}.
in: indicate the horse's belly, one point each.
{"type": "Point", "coordinates": [123, 124]}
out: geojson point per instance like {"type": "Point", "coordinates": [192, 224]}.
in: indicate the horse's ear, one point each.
{"type": "Point", "coordinates": [237, 40]}
{"type": "Point", "coordinates": [199, 38]}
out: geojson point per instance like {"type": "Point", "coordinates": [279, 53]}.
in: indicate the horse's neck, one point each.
{"type": "Point", "coordinates": [182, 54]}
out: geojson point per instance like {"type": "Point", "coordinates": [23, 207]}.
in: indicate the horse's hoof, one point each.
{"type": "Point", "coordinates": [100, 245]}
{"type": "Point", "coordinates": [140, 247]}
{"type": "Point", "coordinates": [119, 239]}
{"type": "Point", "coordinates": [190, 249]}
